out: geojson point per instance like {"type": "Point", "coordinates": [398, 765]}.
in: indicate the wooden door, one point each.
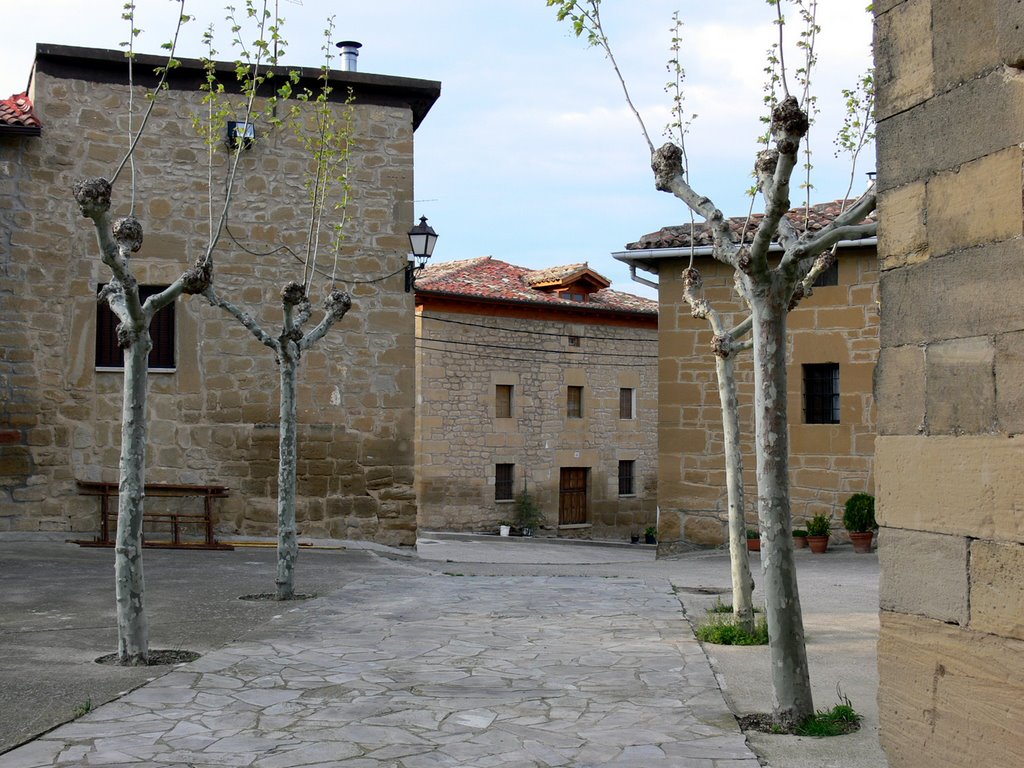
{"type": "Point", "coordinates": [572, 496]}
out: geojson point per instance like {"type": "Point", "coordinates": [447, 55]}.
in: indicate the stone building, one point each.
{"type": "Point", "coordinates": [213, 404]}
{"type": "Point", "coordinates": [832, 348]}
{"type": "Point", "coordinates": [543, 380]}
{"type": "Point", "coordinates": [950, 382]}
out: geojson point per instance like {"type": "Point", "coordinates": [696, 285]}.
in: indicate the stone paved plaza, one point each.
{"type": "Point", "coordinates": [420, 670]}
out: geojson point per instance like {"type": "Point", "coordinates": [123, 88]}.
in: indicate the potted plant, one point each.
{"type": "Point", "coordinates": [817, 533]}
{"type": "Point", "coordinates": [859, 521]}
{"type": "Point", "coordinates": [753, 540]}
{"type": "Point", "coordinates": [528, 515]}
{"type": "Point", "coordinates": [650, 535]}
{"type": "Point", "coordinates": [504, 528]}
{"type": "Point", "coordinates": [634, 536]}
{"type": "Point", "coordinates": [799, 538]}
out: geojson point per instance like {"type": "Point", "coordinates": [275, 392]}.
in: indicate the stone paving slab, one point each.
{"type": "Point", "coordinates": [430, 670]}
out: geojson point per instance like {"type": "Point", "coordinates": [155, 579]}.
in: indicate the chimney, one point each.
{"type": "Point", "coordinates": [349, 54]}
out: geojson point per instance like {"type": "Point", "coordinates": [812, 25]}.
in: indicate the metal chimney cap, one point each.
{"type": "Point", "coordinates": [349, 44]}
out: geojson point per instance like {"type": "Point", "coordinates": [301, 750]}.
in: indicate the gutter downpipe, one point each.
{"type": "Point", "coordinates": [642, 280]}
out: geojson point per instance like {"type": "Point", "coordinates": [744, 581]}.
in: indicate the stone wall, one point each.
{"type": "Point", "coordinates": [214, 418]}
{"type": "Point", "coordinates": [828, 462]}
{"type": "Point", "coordinates": [460, 440]}
{"type": "Point", "coordinates": [949, 454]}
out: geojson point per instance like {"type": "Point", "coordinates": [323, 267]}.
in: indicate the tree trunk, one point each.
{"type": "Point", "coordinates": [791, 685]}
{"type": "Point", "coordinates": [742, 582]}
{"type": "Point", "coordinates": [132, 624]}
{"type": "Point", "coordinates": [287, 544]}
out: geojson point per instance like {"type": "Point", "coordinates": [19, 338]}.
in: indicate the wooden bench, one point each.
{"type": "Point", "coordinates": [203, 519]}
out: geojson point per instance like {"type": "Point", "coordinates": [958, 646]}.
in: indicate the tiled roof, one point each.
{"type": "Point", "coordinates": [490, 279]}
{"type": "Point", "coordinates": [813, 219]}
{"type": "Point", "coordinates": [18, 116]}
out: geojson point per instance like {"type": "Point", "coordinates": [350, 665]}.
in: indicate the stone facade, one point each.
{"type": "Point", "coordinates": [468, 348]}
{"type": "Point", "coordinates": [828, 462]}
{"type": "Point", "coordinates": [950, 454]}
{"type": "Point", "coordinates": [213, 419]}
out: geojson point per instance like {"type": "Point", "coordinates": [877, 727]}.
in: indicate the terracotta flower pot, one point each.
{"type": "Point", "coordinates": [818, 544]}
{"type": "Point", "coordinates": [799, 542]}
{"type": "Point", "coordinates": [753, 545]}
{"type": "Point", "coordinates": [861, 541]}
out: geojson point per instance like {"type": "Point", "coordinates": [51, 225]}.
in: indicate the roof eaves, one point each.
{"type": "Point", "coordinates": [108, 65]}
{"type": "Point", "coordinates": [569, 306]}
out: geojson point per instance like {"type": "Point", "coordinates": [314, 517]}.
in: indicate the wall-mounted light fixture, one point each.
{"type": "Point", "coordinates": [422, 239]}
{"type": "Point", "coordinates": [240, 131]}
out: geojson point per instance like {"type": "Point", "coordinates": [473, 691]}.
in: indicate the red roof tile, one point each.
{"type": "Point", "coordinates": [488, 278]}
{"type": "Point", "coordinates": [813, 219]}
{"type": "Point", "coordinates": [18, 116]}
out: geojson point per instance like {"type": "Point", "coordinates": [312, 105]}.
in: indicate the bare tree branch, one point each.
{"type": "Point", "coordinates": [243, 317]}
{"type": "Point", "coordinates": [669, 176]}
{"type": "Point", "coordinates": [337, 304]}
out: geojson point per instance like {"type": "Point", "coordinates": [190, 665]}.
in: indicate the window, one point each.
{"type": "Point", "coordinates": [574, 341]}
{"type": "Point", "coordinates": [626, 410]}
{"type": "Point", "coordinates": [503, 401]}
{"type": "Point", "coordinates": [574, 403]}
{"type": "Point", "coordinates": [504, 477]}
{"type": "Point", "coordinates": [821, 393]}
{"type": "Point", "coordinates": [627, 475]}
{"type": "Point", "coordinates": [829, 277]}
{"type": "Point", "coordinates": [161, 330]}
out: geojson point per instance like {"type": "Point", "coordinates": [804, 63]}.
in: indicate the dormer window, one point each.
{"type": "Point", "coordinates": [574, 282]}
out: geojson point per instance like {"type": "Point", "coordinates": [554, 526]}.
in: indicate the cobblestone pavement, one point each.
{"type": "Point", "coordinates": [427, 670]}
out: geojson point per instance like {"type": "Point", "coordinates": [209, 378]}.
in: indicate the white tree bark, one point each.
{"type": "Point", "coordinates": [132, 623]}
{"type": "Point", "coordinates": [725, 350]}
{"type": "Point", "coordinates": [742, 581]}
{"type": "Point", "coordinates": [288, 349]}
{"type": "Point", "coordinates": [287, 541]}
{"type": "Point", "coordinates": [117, 241]}
{"type": "Point", "coordinates": [791, 685]}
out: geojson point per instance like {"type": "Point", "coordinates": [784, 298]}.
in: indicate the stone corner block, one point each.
{"type": "Point", "coordinates": [997, 588]}
{"type": "Point", "coordinates": [924, 574]}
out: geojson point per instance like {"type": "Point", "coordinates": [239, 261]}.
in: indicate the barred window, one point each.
{"type": "Point", "coordinates": [821, 393]}
{"type": "Point", "coordinates": [161, 330]}
{"type": "Point", "coordinates": [829, 277]}
{"type": "Point", "coordinates": [626, 403]}
{"type": "Point", "coordinates": [504, 478]}
{"type": "Point", "coordinates": [627, 478]}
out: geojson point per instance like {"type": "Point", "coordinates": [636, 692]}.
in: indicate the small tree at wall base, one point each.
{"type": "Point", "coordinates": [769, 284]}
{"type": "Point", "coordinates": [529, 517]}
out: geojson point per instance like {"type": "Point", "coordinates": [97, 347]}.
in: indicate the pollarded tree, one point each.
{"type": "Point", "coordinates": [768, 285]}
{"type": "Point", "coordinates": [119, 238]}
{"type": "Point", "coordinates": [326, 139]}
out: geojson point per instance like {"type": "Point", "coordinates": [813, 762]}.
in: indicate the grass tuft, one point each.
{"type": "Point", "coordinates": [718, 628]}
{"type": "Point", "coordinates": [82, 709]}
{"type": "Point", "coordinates": [838, 721]}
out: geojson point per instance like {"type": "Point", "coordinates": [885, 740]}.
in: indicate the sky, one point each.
{"type": "Point", "coordinates": [531, 154]}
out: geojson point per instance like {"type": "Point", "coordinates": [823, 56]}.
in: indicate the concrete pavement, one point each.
{"type": "Point", "coordinates": [489, 653]}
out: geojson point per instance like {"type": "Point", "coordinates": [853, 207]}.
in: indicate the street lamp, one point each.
{"type": "Point", "coordinates": [422, 238]}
